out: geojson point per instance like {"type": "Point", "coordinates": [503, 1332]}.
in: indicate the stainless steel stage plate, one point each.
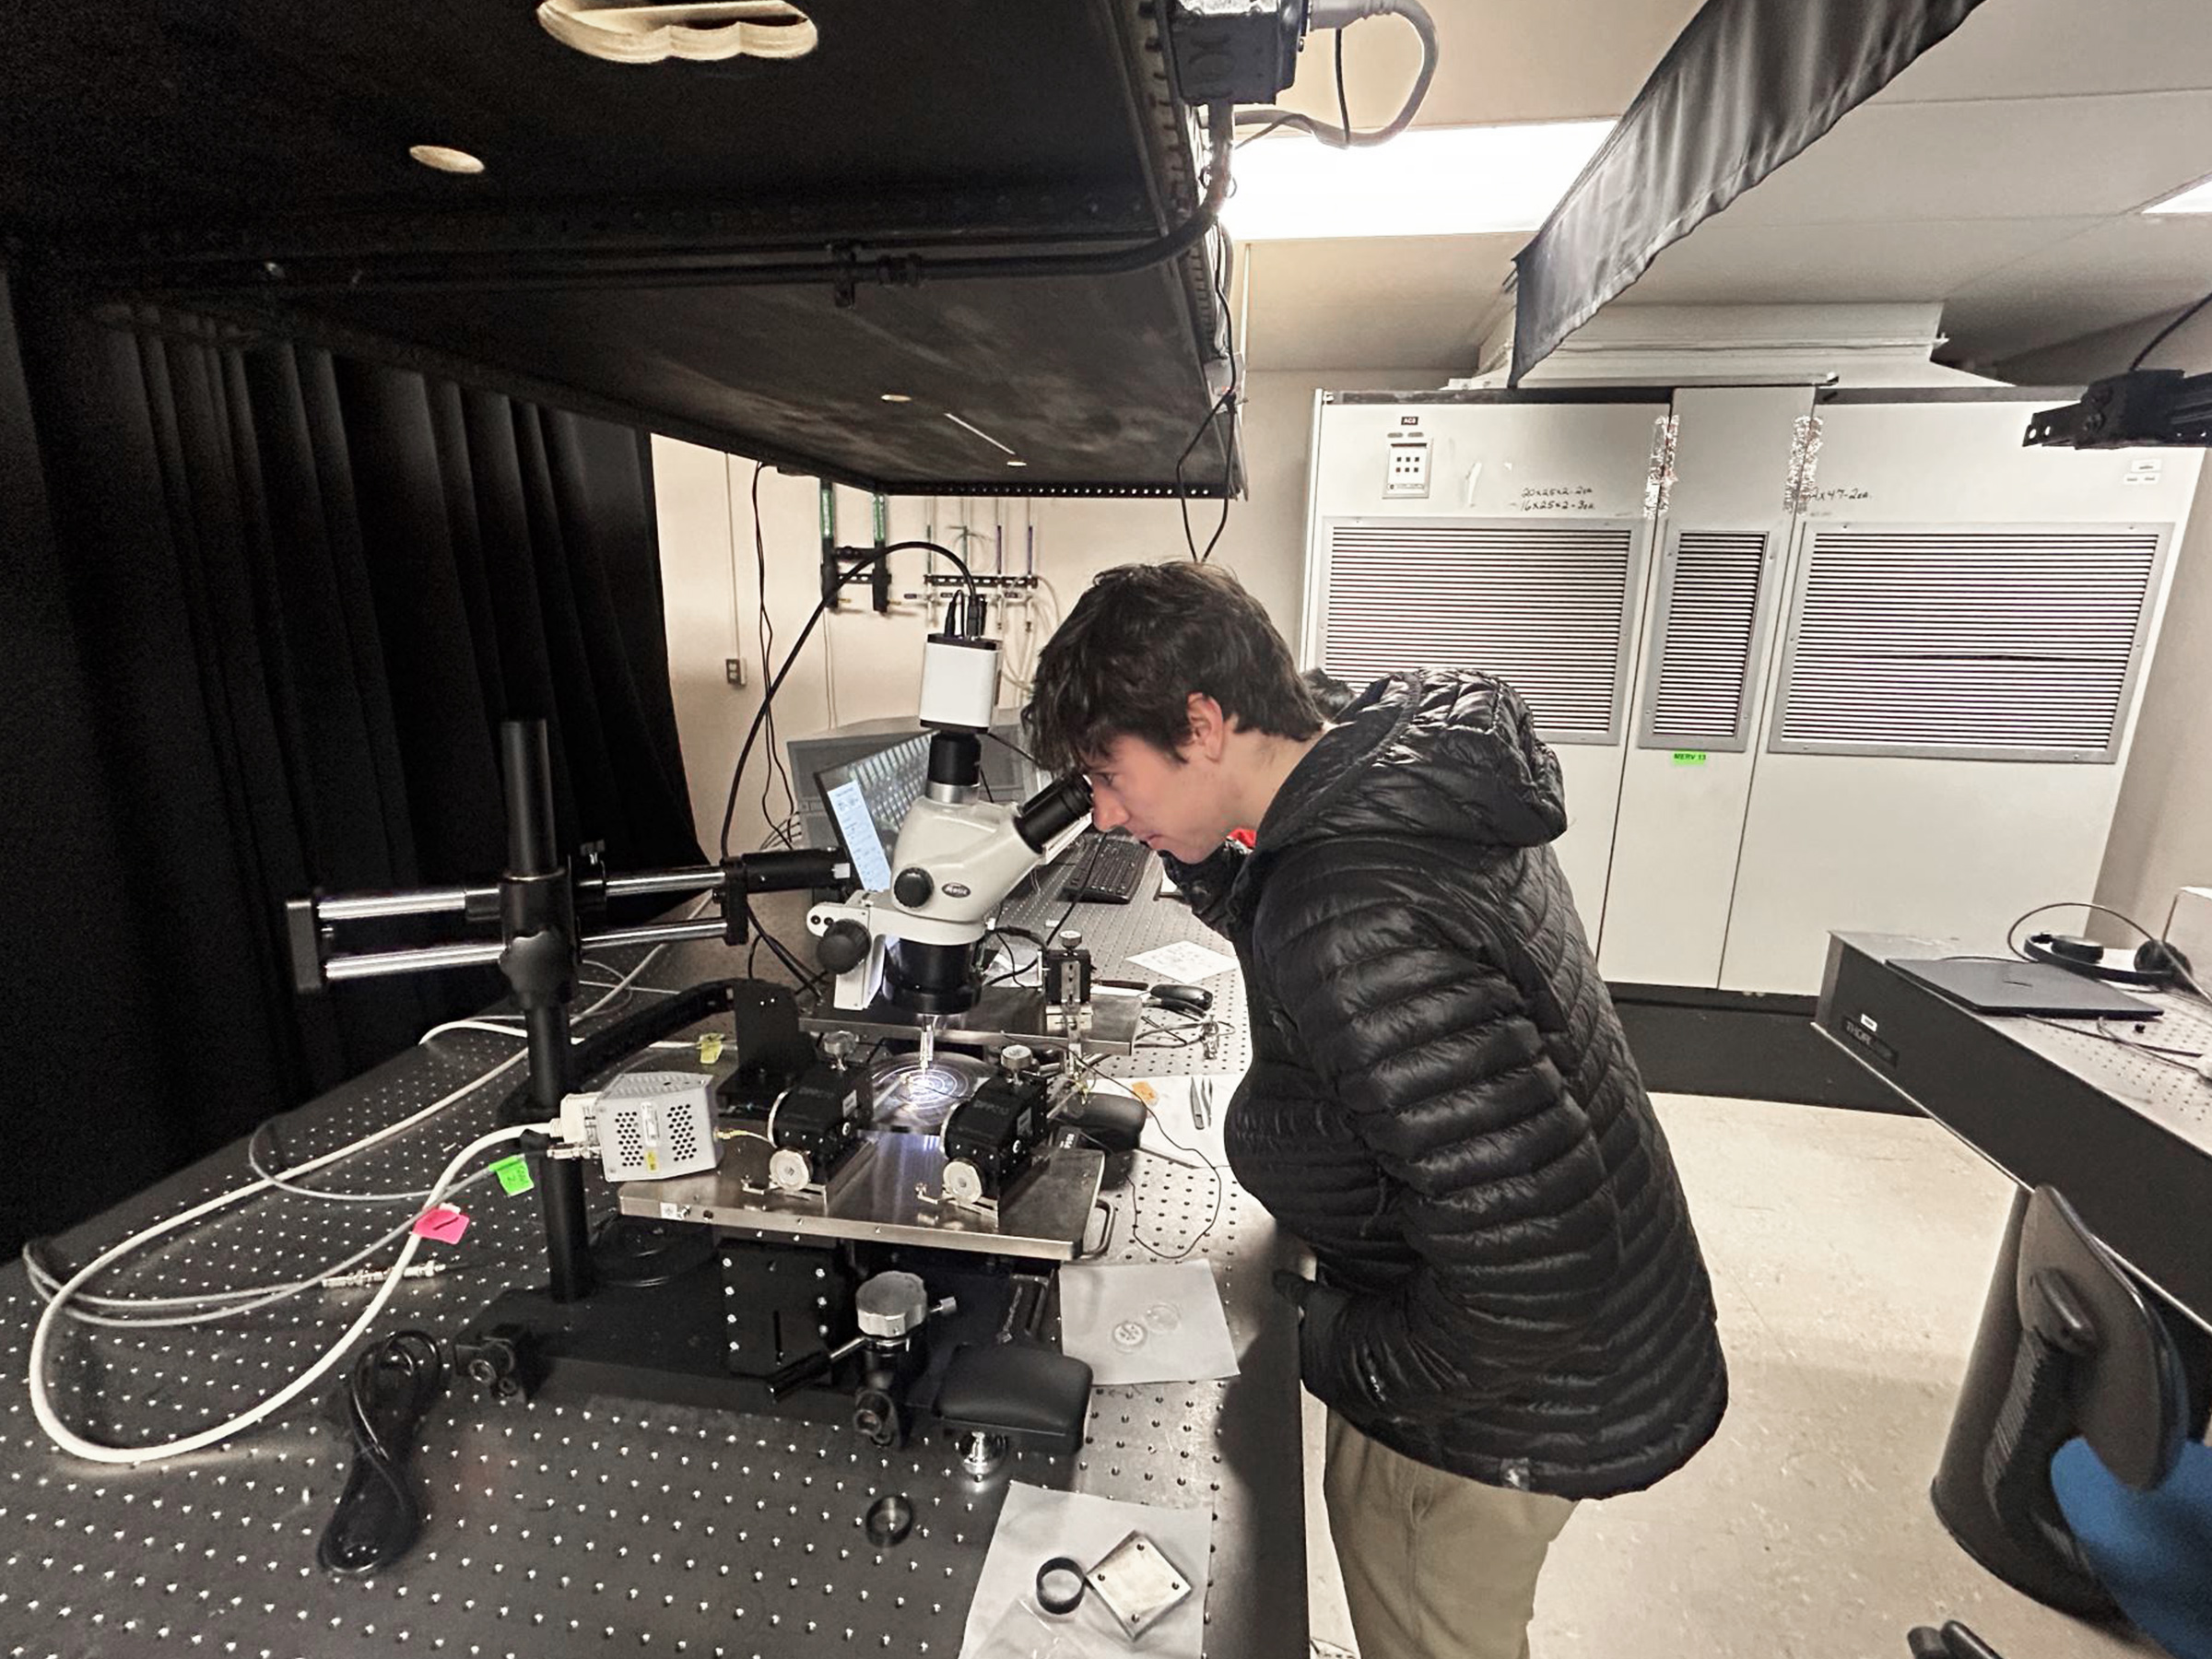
{"type": "Point", "coordinates": [882, 1194]}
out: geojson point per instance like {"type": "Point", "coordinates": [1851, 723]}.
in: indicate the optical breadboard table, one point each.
{"type": "Point", "coordinates": [2091, 1107]}
{"type": "Point", "coordinates": [570, 1525]}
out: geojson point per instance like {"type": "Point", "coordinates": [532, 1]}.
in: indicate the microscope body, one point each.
{"type": "Point", "coordinates": [957, 857]}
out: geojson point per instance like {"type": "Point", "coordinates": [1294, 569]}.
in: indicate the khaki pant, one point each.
{"type": "Point", "coordinates": [1436, 1566]}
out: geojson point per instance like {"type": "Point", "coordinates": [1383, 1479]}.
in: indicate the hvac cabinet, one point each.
{"type": "Point", "coordinates": [1877, 664]}
{"type": "Point", "coordinates": [1503, 532]}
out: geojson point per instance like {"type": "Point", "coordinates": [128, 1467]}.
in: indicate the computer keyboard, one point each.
{"type": "Point", "coordinates": [1105, 869]}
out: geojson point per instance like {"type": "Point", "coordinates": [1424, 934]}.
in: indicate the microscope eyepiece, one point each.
{"type": "Point", "coordinates": [1047, 814]}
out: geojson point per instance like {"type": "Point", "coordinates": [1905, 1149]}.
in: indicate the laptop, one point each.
{"type": "Point", "coordinates": [867, 801]}
{"type": "Point", "coordinates": [1991, 986]}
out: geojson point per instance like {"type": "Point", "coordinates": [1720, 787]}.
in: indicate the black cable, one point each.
{"type": "Point", "coordinates": [1224, 406]}
{"type": "Point", "coordinates": [663, 1254]}
{"type": "Point", "coordinates": [1344, 102]}
{"type": "Point", "coordinates": [2159, 340]}
{"type": "Point", "coordinates": [1217, 173]}
{"type": "Point", "coordinates": [768, 645]}
{"type": "Point", "coordinates": [869, 556]}
{"type": "Point", "coordinates": [1006, 743]}
{"type": "Point", "coordinates": [391, 1389]}
{"type": "Point", "coordinates": [1196, 1156]}
{"type": "Point", "coordinates": [1081, 880]}
{"type": "Point", "coordinates": [610, 1045]}
{"type": "Point", "coordinates": [848, 268]}
{"type": "Point", "coordinates": [1190, 1036]}
{"type": "Point", "coordinates": [1019, 968]}
{"type": "Point", "coordinates": [1236, 387]}
{"type": "Point", "coordinates": [2104, 1021]}
{"type": "Point", "coordinates": [801, 978]}
{"type": "Point", "coordinates": [1211, 1221]}
{"type": "Point", "coordinates": [2103, 910]}
{"type": "Point", "coordinates": [2184, 980]}
{"type": "Point", "coordinates": [1269, 117]}
{"type": "Point", "coordinates": [2184, 1062]}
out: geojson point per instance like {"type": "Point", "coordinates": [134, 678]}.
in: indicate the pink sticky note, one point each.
{"type": "Point", "coordinates": [443, 1225]}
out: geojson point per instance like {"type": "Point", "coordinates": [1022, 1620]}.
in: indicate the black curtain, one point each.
{"type": "Point", "coordinates": [1746, 85]}
{"type": "Point", "coordinates": [264, 611]}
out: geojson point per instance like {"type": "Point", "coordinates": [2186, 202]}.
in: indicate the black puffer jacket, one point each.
{"type": "Point", "coordinates": [1442, 1104]}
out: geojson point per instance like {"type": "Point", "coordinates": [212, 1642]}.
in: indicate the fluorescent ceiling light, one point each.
{"type": "Point", "coordinates": [1426, 182]}
{"type": "Point", "coordinates": [2198, 198]}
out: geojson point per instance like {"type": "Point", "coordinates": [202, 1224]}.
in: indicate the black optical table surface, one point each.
{"type": "Point", "coordinates": [2078, 1104]}
{"type": "Point", "coordinates": [592, 1524]}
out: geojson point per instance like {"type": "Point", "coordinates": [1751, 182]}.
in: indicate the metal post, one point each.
{"type": "Point", "coordinates": [539, 918]}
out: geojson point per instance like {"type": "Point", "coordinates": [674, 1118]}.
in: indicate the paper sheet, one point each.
{"type": "Point", "coordinates": [1023, 1632]}
{"type": "Point", "coordinates": [1037, 1524]}
{"type": "Point", "coordinates": [1183, 962]}
{"type": "Point", "coordinates": [1185, 1123]}
{"type": "Point", "coordinates": [1146, 1321]}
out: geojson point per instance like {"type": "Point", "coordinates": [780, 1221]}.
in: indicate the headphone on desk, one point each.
{"type": "Point", "coordinates": [2153, 969]}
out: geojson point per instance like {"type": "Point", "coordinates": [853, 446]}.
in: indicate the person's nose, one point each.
{"type": "Point", "coordinates": [1106, 810]}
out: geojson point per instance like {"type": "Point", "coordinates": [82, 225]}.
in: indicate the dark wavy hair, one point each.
{"type": "Point", "coordinates": [1139, 643]}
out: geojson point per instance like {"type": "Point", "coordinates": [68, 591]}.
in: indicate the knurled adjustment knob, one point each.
{"type": "Point", "coordinates": [912, 887]}
{"type": "Point", "coordinates": [843, 946]}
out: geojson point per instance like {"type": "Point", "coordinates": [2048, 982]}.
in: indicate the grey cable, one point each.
{"type": "Point", "coordinates": [1342, 14]}
{"type": "Point", "coordinates": [46, 1284]}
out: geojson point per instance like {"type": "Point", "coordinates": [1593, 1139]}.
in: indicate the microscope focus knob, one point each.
{"type": "Point", "coordinates": [843, 946]}
{"type": "Point", "coordinates": [912, 887]}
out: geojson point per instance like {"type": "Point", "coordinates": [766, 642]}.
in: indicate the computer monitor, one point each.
{"type": "Point", "coordinates": [867, 800]}
{"type": "Point", "coordinates": [1007, 773]}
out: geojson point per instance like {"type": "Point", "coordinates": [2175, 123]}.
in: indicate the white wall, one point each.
{"type": "Point", "coordinates": [2161, 836]}
{"type": "Point", "coordinates": [707, 564]}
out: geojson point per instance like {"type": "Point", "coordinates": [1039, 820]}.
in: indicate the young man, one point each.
{"type": "Point", "coordinates": [1511, 1312]}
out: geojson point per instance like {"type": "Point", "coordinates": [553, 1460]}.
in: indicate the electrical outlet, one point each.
{"type": "Point", "coordinates": [1409, 473]}
{"type": "Point", "coordinates": [733, 670]}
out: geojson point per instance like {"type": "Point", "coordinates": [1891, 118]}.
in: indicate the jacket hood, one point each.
{"type": "Point", "coordinates": [1447, 755]}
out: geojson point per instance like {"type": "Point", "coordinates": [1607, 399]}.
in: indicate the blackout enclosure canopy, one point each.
{"type": "Point", "coordinates": [1747, 85]}
{"type": "Point", "coordinates": [757, 254]}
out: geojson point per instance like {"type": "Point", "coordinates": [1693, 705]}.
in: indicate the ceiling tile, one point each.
{"type": "Point", "coordinates": [2132, 253]}
{"type": "Point", "coordinates": [1408, 301]}
{"type": "Point", "coordinates": [1725, 262]}
{"type": "Point", "coordinates": [2029, 158]}
{"type": "Point", "coordinates": [2045, 48]}
{"type": "Point", "coordinates": [1500, 60]}
{"type": "Point", "coordinates": [1989, 328]}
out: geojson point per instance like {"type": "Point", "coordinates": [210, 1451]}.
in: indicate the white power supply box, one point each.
{"type": "Point", "coordinates": [650, 1125]}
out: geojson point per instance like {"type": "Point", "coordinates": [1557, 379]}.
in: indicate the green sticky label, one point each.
{"type": "Point", "coordinates": [513, 1173]}
{"type": "Point", "coordinates": [1690, 757]}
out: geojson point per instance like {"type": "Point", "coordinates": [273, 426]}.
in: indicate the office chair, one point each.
{"type": "Point", "coordinates": [2131, 1486]}
{"type": "Point", "coordinates": [2091, 1456]}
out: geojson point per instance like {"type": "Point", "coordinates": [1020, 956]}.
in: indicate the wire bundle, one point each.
{"type": "Point", "coordinates": [64, 1295]}
{"type": "Point", "coordinates": [392, 1388]}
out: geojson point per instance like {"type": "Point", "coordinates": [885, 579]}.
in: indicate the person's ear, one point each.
{"type": "Point", "coordinates": [1210, 728]}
